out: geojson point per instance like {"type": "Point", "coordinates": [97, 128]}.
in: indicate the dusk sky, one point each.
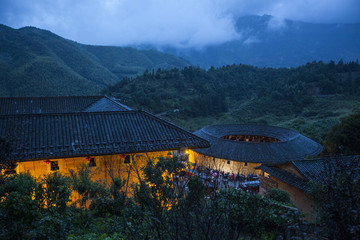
{"type": "Point", "coordinates": [180, 23]}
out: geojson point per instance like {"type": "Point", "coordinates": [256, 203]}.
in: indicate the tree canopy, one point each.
{"type": "Point", "coordinates": [344, 138]}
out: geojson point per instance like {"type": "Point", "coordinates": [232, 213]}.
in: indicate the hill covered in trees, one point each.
{"type": "Point", "coordinates": [35, 62]}
{"type": "Point", "coordinates": [310, 98]}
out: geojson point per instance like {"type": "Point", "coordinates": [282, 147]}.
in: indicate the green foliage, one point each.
{"type": "Point", "coordinates": [111, 201]}
{"type": "Point", "coordinates": [31, 57]}
{"type": "Point", "coordinates": [163, 207]}
{"type": "Point", "coordinates": [309, 98]}
{"type": "Point", "coordinates": [279, 195]}
{"type": "Point", "coordinates": [81, 183]}
{"type": "Point", "coordinates": [93, 236]}
{"type": "Point", "coordinates": [56, 190]}
{"type": "Point", "coordinates": [19, 209]}
{"type": "Point", "coordinates": [29, 210]}
{"type": "Point", "coordinates": [344, 138]}
{"type": "Point", "coordinates": [170, 211]}
{"type": "Point", "coordinates": [336, 198]}
{"type": "Point", "coordinates": [254, 215]}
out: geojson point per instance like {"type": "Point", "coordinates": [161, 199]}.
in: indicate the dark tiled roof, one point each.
{"type": "Point", "coordinates": [292, 145]}
{"type": "Point", "coordinates": [314, 169]}
{"type": "Point", "coordinates": [78, 134]}
{"type": "Point", "coordinates": [69, 104]}
{"type": "Point", "coordinates": [311, 169]}
{"type": "Point", "coordinates": [106, 104]}
{"type": "Point", "coordinates": [286, 177]}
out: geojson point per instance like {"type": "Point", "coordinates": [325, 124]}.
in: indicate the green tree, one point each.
{"type": "Point", "coordinates": [82, 183]}
{"type": "Point", "coordinates": [19, 210]}
{"type": "Point", "coordinates": [344, 137]}
{"type": "Point", "coordinates": [279, 195]}
{"type": "Point", "coordinates": [336, 197]}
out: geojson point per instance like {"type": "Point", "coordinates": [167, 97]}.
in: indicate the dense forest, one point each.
{"type": "Point", "coordinates": [36, 62]}
{"type": "Point", "coordinates": [310, 98]}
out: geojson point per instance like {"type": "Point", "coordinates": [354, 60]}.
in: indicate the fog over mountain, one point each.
{"type": "Point", "coordinates": [206, 32]}
{"type": "Point", "coordinates": [180, 24]}
{"type": "Point", "coordinates": [263, 44]}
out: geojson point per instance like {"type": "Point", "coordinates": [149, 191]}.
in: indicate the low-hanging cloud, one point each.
{"type": "Point", "coordinates": [184, 23]}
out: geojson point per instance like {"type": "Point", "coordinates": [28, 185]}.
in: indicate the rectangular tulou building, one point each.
{"type": "Point", "coordinates": [63, 133]}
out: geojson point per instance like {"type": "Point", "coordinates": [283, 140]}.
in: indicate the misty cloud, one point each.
{"type": "Point", "coordinates": [185, 23]}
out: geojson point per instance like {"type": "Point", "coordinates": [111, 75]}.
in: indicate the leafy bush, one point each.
{"type": "Point", "coordinates": [279, 195]}
{"type": "Point", "coordinates": [336, 197]}
{"type": "Point", "coordinates": [344, 138]}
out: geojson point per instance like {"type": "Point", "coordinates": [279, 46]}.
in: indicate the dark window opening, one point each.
{"type": "Point", "coordinates": [213, 159]}
{"type": "Point", "coordinates": [92, 162]}
{"type": "Point", "coordinates": [245, 163]}
{"type": "Point", "coordinates": [54, 166]}
{"type": "Point", "coordinates": [228, 162]}
{"type": "Point", "coordinates": [127, 159]}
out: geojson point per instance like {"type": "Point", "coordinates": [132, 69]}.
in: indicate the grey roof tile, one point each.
{"type": "Point", "coordinates": [292, 145]}
{"type": "Point", "coordinates": [96, 133]}
{"type": "Point", "coordinates": [62, 104]}
{"type": "Point", "coordinates": [286, 177]}
{"type": "Point", "coordinates": [314, 169]}
{"type": "Point", "coordinates": [311, 169]}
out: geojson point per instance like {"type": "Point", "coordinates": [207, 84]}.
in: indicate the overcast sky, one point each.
{"type": "Point", "coordinates": [182, 23]}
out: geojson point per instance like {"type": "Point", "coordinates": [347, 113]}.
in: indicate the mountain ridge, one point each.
{"type": "Point", "coordinates": [37, 62]}
{"type": "Point", "coordinates": [289, 43]}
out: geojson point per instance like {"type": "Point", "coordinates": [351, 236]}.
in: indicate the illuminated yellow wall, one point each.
{"type": "Point", "coordinates": [107, 167]}
{"type": "Point", "coordinates": [301, 200]}
{"type": "Point", "coordinates": [223, 164]}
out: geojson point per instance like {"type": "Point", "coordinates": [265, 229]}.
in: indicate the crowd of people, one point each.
{"type": "Point", "coordinates": [216, 179]}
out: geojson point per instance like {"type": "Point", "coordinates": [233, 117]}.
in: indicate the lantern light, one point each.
{"type": "Point", "coordinates": [88, 158]}
{"type": "Point", "coordinates": [47, 161]}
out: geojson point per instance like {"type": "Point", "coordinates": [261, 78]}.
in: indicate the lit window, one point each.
{"type": "Point", "coordinates": [127, 159]}
{"type": "Point", "coordinates": [54, 166]}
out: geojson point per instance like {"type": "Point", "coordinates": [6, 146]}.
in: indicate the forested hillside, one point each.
{"type": "Point", "coordinates": [309, 98]}
{"type": "Point", "coordinates": [35, 62]}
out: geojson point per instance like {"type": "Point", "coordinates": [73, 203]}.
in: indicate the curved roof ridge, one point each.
{"type": "Point", "coordinates": [292, 145]}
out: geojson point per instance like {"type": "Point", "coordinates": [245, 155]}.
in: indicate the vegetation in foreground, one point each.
{"type": "Point", "coordinates": [160, 208]}
{"type": "Point", "coordinates": [164, 208]}
{"type": "Point", "coordinates": [336, 197]}
{"type": "Point", "coordinates": [344, 138]}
